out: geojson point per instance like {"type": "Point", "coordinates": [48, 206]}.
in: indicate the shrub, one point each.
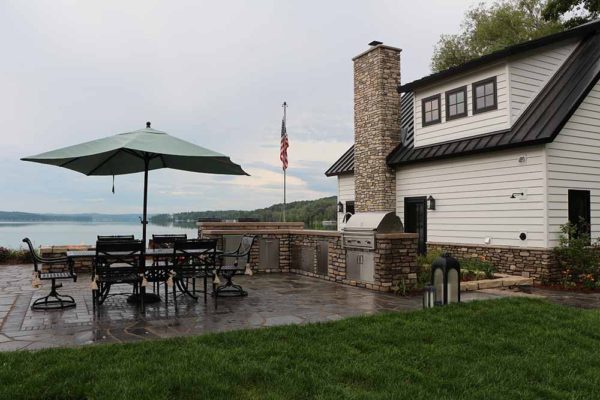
{"type": "Point", "coordinates": [578, 257]}
{"type": "Point", "coordinates": [424, 262]}
{"type": "Point", "coordinates": [479, 267]}
{"type": "Point", "coordinates": [9, 256]}
{"type": "Point", "coordinates": [4, 254]}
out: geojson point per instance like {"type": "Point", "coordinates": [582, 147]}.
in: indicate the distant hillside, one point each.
{"type": "Point", "coordinates": [17, 216]}
{"type": "Point", "coordinates": [311, 212]}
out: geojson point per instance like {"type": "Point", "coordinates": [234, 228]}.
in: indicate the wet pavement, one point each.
{"type": "Point", "coordinates": [273, 299]}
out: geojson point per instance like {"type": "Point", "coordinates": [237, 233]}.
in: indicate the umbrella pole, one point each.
{"type": "Point", "coordinates": [144, 297]}
{"type": "Point", "coordinates": [145, 217]}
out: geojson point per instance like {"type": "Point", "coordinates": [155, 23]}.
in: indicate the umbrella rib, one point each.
{"type": "Point", "coordinates": [103, 163]}
{"type": "Point", "coordinates": [69, 161]}
{"type": "Point", "coordinates": [133, 153]}
{"type": "Point", "coordinates": [163, 161]}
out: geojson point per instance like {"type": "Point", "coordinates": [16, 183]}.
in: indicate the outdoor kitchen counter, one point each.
{"type": "Point", "coordinates": [321, 254]}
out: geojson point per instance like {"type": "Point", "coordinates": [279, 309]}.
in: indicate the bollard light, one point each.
{"type": "Point", "coordinates": [445, 278]}
{"type": "Point", "coordinates": [429, 296]}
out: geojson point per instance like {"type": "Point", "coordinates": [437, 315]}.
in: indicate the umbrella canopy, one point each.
{"type": "Point", "coordinates": [129, 152]}
{"type": "Point", "coordinates": [138, 151]}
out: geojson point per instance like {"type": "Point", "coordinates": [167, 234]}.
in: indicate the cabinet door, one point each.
{"type": "Point", "coordinates": [269, 253]}
{"type": "Point", "coordinates": [353, 265]}
{"type": "Point", "coordinates": [367, 267]}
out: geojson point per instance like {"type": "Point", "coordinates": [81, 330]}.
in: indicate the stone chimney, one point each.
{"type": "Point", "coordinates": [376, 126]}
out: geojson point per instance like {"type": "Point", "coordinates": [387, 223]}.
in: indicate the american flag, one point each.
{"type": "Point", "coordinates": [284, 145]}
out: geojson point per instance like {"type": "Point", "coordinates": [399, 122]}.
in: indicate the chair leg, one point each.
{"type": "Point", "coordinates": [53, 301]}
{"type": "Point", "coordinates": [175, 295]}
{"type": "Point", "coordinates": [143, 294]}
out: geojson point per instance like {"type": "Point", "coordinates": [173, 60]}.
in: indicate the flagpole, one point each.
{"type": "Point", "coordinates": [285, 169]}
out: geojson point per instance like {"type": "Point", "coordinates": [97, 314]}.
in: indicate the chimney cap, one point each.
{"type": "Point", "coordinates": [375, 43]}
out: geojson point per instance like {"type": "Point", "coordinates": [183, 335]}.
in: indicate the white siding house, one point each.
{"type": "Point", "coordinates": [500, 179]}
{"type": "Point", "coordinates": [473, 197]}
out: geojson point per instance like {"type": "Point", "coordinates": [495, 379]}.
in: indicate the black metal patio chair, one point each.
{"type": "Point", "coordinates": [157, 272]}
{"type": "Point", "coordinates": [194, 259]}
{"type": "Point", "coordinates": [54, 300]}
{"type": "Point", "coordinates": [229, 271]}
{"type": "Point", "coordinates": [117, 263]}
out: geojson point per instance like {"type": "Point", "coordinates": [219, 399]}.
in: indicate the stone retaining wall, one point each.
{"type": "Point", "coordinates": [81, 265]}
{"type": "Point", "coordinates": [536, 263]}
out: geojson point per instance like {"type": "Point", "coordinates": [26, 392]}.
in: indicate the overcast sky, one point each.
{"type": "Point", "coordinates": [214, 73]}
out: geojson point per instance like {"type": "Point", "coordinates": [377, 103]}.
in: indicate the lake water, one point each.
{"type": "Point", "coordinates": [60, 233]}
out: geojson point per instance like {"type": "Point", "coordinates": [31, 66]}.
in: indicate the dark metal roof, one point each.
{"type": "Point", "coordinates": [579, 31]}
{"type": "Point", "coordinates": [539, 123]}
{"type": "Point", "coordinates": [345, 164]}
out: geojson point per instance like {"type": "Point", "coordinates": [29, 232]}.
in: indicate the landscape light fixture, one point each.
{"type": "Point", "coordinates": [340, 207]}
{"type": "Point", "coordinates": [514, 195]}
{"type": "Point", "coordinates": [445, 278]}
{"type": "Point", "coordinates": [430, 203]}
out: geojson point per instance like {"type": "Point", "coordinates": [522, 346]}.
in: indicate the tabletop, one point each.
{"type": "Point", "coordinates": [149, 253]}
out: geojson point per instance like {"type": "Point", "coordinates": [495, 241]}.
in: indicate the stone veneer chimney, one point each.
{"type": "Point", "coordinates": [376, 126]}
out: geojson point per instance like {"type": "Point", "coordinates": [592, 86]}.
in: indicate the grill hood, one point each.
{"type": "Point", "coordinates": [380, 222]}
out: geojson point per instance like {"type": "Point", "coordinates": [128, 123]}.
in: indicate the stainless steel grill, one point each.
{"type": "Point", "coordinates": [359, 232]}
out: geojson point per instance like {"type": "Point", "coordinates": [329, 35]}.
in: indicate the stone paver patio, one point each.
{"type": "Point", "coordinates": [274, 299]}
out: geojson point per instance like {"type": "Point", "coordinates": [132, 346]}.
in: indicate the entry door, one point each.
{"type": "Point", "coordinates": [415, 219]}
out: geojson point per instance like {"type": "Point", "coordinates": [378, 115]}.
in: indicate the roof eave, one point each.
{"type": "Point", "coordinates": [581, 31]}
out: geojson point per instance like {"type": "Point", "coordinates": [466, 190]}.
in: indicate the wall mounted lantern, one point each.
{"type": "Point", "coordinates": [430, 203]}
{"type": "Point", "coordinates": [445, 278]}
{"type": "Point", "coordinates": [340, 207]}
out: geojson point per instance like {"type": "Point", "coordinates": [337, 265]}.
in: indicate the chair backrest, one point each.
{"type": "Point", "coordinates": [34, 257]}
{"type": "Point", "coordinates": [166, 241]}
{"type": "Point", "coordinates": [246, 244]}
{"type": "Point", "coordinates": [115, 238]}
{"type": "Point", "coordinates": [37, 260]}
{"type": "Point", "coordinates": [196, 252]}
{"type": "Point", "coordinates": [113, 252]}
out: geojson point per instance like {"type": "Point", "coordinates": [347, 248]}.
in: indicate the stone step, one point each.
{"type": "Point", "coordinates": [501, 280]}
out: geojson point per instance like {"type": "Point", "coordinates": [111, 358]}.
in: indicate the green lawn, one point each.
{"type": "Point", "coordinates": [509, 349]}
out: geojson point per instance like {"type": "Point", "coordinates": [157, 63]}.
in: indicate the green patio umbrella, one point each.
{"type": "Point", "coordinates": [138, 151]}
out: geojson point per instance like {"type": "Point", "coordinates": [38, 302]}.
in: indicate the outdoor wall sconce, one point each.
{"type": "Point", "coordinates": [340, 207]}
{"type": "Point", "coordinates": [445, 279]}
{"type": "Point", "coordinates": [430, 203]}
{"type": "Point", "coordinates": [514, 195]}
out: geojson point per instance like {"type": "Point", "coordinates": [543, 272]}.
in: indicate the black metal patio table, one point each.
{"type": "Point", "coordinates": [164, 253]}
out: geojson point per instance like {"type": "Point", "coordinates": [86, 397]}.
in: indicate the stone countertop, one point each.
{"type": "Point", "coordinates": [271, 232]}
{"type": "Point", "coordinates": [259, 225]}
{"type": "Point", "coordinates": [396, 235]}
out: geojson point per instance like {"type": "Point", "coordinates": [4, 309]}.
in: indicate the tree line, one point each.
{"type": "Point", "coordinates": [311, 212]}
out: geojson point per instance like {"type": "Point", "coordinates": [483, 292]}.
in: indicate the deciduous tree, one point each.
{"type": "Point", "coordinates": [486, 29]}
